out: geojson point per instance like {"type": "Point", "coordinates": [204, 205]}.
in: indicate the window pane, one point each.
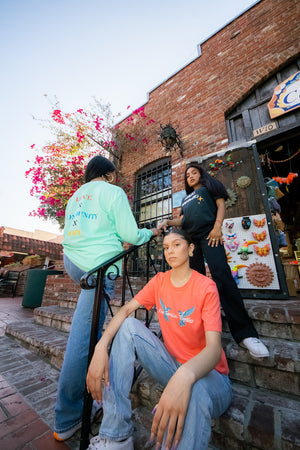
{"type": "Point", "coordinates": [153, 193]}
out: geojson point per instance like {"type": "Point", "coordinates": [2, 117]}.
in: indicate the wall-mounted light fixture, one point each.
{"type": "Point", "coordinates": [170, 139]}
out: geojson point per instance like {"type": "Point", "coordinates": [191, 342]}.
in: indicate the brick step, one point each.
{"type": "Point", "coordinates": [256, 419]}
{"type": "Point", "coordinates": [270, 319]}
{"type": "Point", "coordinates": [274, 318]}
{"type": "Point", "coordinates": [47, 342]}
{"type": "Point", "coordinates": [60, 317]}
{"type": "Point", "coordinates": [70, 304]}
{"type": "Point", "coordinates": [54, 316]}
{"type": "Point", "coordinates": [44, 340]}
{"type": "Point", "coordinates": [278, 373]}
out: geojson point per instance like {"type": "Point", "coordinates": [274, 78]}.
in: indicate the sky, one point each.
{"type": "Point", "coordinates": [74, 50]}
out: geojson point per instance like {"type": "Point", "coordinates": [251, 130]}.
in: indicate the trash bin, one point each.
{"type": "Point", "coordinates": [35, 285]}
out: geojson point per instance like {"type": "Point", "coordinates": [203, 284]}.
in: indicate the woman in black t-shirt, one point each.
{"type": "Point", "coordinates": [202, 214]}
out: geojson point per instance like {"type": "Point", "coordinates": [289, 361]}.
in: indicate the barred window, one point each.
{"type": "Point", "coordinates": [153, 203]}
{"type": "Point", "coordinates": [153, 193]}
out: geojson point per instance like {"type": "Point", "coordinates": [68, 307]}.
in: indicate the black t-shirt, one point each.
{"type": "Point", "coordinates": [199, 212]}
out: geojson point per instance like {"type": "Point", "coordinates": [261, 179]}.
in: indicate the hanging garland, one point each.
{"type": "Point", "coordinates": [283, 160]}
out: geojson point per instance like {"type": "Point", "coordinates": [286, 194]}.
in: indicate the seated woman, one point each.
{"type": "Point", "coordinates": [190, 364]}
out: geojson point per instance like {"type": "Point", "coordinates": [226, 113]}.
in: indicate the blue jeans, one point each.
{"type": "Point", "coordinates": [210, 395]}
{"type": "Point", "coordinates": [69, 402]}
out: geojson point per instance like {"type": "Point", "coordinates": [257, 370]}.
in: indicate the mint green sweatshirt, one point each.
{"type": "Point", "coordinates": [98, 219]}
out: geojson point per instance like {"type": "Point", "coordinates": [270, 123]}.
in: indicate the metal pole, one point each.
{"type": "Point", "coordinates": [88, 400]}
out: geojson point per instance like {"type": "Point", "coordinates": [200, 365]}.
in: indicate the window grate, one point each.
{"type": "Point", "coordinates": [153, 194]}
{"type": "Point", "coordinates": [153, 203]}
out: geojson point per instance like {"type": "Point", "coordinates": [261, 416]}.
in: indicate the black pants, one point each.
{"type": "Point", "coordinates": [240, 324]}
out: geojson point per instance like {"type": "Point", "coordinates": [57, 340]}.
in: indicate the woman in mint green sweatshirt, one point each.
{"type": "Point", "coordinates": [98, 220]}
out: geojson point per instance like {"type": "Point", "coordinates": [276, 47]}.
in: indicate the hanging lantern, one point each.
{"type": "Point", "coordinates": [170, 139]}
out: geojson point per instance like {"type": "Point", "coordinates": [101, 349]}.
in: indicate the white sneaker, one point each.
{"type": "Point", "coordinates": [97, 443]}
{"type": "Point", "coordinates": [255, 347]}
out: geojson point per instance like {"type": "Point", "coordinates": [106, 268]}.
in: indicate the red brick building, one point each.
{"type": "Point", "coordinates": [219, 104]}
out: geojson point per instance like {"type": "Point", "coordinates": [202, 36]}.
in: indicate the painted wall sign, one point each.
{"type": "Point", "coordinates": [265, 129]}
{"type": "Point", "coordinates": [286, 96]}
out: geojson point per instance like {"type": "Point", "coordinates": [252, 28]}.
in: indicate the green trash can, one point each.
{"type": "Point", "coordinates": [35, 286]}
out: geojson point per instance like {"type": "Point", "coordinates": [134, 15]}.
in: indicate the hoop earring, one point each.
{"type": "Point", "coordinates": [110, 180]}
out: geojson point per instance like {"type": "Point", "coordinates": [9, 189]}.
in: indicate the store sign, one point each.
{"type": "Point", "coordinates": [265, 129]}
{"type": "Point", "coordinates": [286, 96]}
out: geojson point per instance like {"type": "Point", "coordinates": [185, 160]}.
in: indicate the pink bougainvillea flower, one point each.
{"type": "Point", "coordinates": [33, 145]}
{"type": "Point", "coordinates": [80, 136]}
{"type": "Point", "coordinates": [57, 117]}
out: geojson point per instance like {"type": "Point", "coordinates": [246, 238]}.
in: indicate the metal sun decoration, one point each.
{"type": "Point", "coordinates": [170, 139]}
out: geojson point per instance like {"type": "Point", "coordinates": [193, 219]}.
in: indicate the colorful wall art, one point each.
{"type": "Point", "coordinates": [249, 252]}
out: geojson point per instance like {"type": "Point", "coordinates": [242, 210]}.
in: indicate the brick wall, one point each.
{"type": "Point", "coordinates": [60, 289]}
{"type": "Point", "coordinates": [232, 64]}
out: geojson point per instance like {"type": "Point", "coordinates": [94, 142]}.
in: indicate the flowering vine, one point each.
{"type": "Point", "coordinates": [57, 169]}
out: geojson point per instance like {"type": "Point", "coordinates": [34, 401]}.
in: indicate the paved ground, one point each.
{"type": "Point", "coordinates": [28, 386]}
{"type": "Point", "coordinates": [27, 389]}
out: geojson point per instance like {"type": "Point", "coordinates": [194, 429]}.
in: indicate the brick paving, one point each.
{"type": "Point", "coordinates": [11, 310]}
{"type": "Point", "coordinates": [27, 389]}
{"type": "Point", "coordinates": [28, 385]}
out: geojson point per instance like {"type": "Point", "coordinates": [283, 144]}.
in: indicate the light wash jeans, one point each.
{"type": "Point", "coordinates": [210, 395]}
{"type": "Point", "coordinates": [69, 401]}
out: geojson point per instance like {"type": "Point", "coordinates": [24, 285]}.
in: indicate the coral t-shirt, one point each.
{"type": "Point", "coordinates": [185, 313]}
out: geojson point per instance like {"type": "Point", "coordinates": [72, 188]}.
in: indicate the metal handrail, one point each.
{"type": "Point", "coordinates": [90, 281]}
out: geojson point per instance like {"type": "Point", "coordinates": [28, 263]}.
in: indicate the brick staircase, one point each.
{"type": "Point", "coordinates": [265, 412]}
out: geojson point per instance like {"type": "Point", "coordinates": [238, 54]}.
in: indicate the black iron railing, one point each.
{"type": "Point", "coordinates": [95, 279]}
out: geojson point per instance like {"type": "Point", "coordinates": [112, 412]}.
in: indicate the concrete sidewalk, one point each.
{"type": "Point", "coordinates": [27, 390]}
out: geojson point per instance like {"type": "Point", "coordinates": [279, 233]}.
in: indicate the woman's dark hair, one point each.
{"type": "Point", "coordinates": [215, 187]}
{"type": "Point", "coordinates": [98, 166]}
{"type": "Point", "coordinates": [182, 233]}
